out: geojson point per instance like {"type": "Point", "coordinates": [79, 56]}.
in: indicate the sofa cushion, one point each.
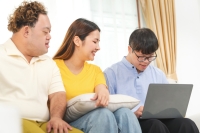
{"type": "Point", "coordinates": [82, 104]}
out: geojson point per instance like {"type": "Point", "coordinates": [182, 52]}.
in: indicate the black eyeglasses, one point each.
{"type": "Point", "coordinates": [143, 58]}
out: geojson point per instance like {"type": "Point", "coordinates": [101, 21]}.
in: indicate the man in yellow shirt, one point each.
{"type": "Point", "coordinates": [28, 78]}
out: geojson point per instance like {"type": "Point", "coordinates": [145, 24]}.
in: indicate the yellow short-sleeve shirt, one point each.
{"type": "Point", "coordinates": [84, 82]}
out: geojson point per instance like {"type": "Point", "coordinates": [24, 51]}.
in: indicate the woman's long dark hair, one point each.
{"type": "Point", "coordinates": [81, 28]}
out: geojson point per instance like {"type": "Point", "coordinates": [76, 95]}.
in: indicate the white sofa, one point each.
{"type": "Point", "coordinates": [193, 111]}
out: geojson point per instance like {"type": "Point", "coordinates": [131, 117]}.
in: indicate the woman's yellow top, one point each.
{"type": "Point", "coordinates": [84, 82]}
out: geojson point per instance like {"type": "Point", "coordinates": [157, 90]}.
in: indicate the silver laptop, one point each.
{"type": "Point", "coordinates": [165, 101]}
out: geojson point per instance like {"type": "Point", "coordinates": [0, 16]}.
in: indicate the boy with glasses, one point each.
{"type": "Point", "coordinates": [132, 76]}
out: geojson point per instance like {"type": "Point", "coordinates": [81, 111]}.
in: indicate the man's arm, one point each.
{"type": "Point", "coordinates": [58, 105]}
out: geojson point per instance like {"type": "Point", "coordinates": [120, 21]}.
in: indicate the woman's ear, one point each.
{"type": "Point", "coordinates": [77, 41]}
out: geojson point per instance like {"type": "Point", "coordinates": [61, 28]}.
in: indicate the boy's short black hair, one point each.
{"type": "Point", "coordinates": [143, 40]}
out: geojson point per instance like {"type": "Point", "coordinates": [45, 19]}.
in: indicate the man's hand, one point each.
{"type": "Point", "coordinates": [138, 113]}
{"type": "Point", "coordinates": [58, 125]}
{"type": "Point", "coordinates": [101, 95]}
{"type": "Point", "coordinates": [58, 103]}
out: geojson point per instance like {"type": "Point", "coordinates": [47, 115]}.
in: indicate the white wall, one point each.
{"type": "Point", "coordinates": [5, 10]}
{"type": "Point", "coordinates": [188, 41]}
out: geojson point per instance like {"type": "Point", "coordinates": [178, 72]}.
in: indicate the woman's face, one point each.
{"type": "Point", "coordinates": [90, 45]}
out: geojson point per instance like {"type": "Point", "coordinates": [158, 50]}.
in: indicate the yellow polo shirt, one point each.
{"type": "Point", "coordinates": [27, 85]}
{"type": "Point", "coordinates": [84, 82]}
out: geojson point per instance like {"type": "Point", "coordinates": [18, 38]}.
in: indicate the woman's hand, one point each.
{"type": "Point", "coordinates": [101, 95]}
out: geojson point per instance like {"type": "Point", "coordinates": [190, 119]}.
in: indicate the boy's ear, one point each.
{"type": "Point", "coordinates": [129, 49]}
{"type": "Point", "coordinates": [77, 41]}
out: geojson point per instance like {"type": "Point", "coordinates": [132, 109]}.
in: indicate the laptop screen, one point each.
{"type": "Point", "coordinates": [167, 101]}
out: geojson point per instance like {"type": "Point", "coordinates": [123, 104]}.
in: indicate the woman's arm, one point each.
{"type": "Point", "coordinates": [101, 95]}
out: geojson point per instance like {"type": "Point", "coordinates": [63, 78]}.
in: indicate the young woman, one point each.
{"type": "Point", "coordinates": [80, 45]}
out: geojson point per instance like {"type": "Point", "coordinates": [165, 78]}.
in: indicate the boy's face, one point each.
{"type": "Point", "coordinates": [139, 60]}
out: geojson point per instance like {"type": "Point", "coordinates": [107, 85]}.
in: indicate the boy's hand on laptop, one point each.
{"type": "Point", "coordinates": [138, 113]}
